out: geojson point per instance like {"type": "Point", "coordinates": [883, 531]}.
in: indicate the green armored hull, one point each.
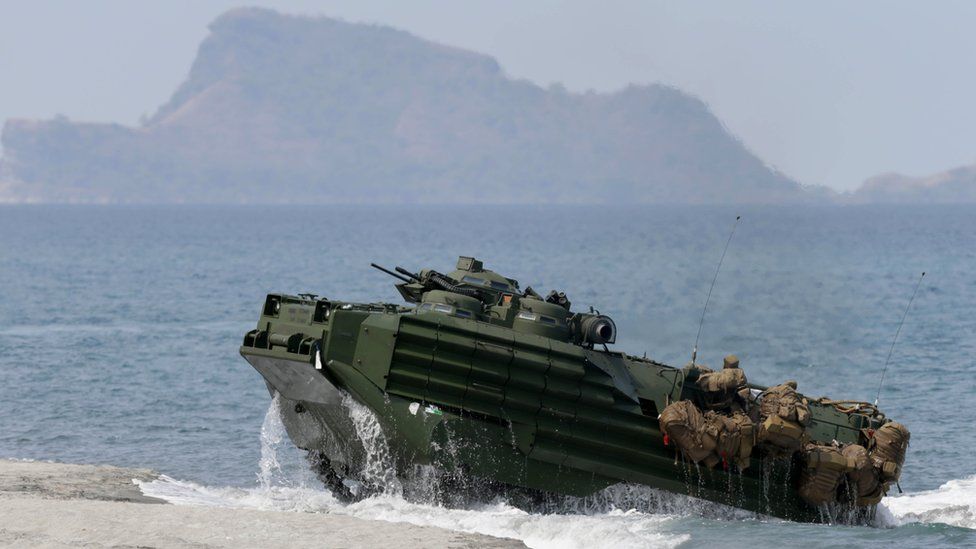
{"type": "Point", "coordinates": [509, 388]}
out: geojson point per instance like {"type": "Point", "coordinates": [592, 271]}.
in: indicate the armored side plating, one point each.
{"type": "Point", "coordinates": [484, 379]}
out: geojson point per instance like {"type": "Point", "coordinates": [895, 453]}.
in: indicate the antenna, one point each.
{"type": "Point", "coordinates": [898, 331]}
{"type": "Point", "coordinates": [694, 351]}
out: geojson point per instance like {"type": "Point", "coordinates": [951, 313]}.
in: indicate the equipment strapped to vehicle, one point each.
{"type": "Point", "coordinates": [684, 423]}
{"type": "Point", "coordinates": [887, 450]}
{"type": "Point", "coordinates": [783, 414]}
{"type": "Point", "coordinates": [736, 438]}
{"type": "Point", "coordinates": [711, 438]}
{"type": "Point", "coordinates": [824, 468]}
{"type": "Point", "coordinates": [780, 437]}
{"type": "Point", "coordinates": [784, 401]}
{"type": "Point", "coordinates": [863, 478]}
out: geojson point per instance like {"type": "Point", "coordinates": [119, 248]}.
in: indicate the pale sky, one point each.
{"type": "Point", "coordinates": [829, 92]}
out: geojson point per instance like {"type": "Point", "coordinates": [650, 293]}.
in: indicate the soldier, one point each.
{"type": "Point", "coordinates": [742, 396]}
{"type": "Point", "coordinates": [721, 387]}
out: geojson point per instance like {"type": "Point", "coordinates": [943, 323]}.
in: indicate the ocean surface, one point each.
{"type": "Point", "coordinates": [120, 327]}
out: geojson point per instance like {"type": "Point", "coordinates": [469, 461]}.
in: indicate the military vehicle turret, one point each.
{"type": "Point", "coordinates": [479, 377]}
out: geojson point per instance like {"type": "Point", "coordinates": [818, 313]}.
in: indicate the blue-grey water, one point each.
{"type": "Point", "coordinates": [119, 330]}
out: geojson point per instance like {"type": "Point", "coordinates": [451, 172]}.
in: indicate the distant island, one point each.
{"type": "Point", "coordinates": [288, 109]}
{"type": "Point", "coordinates": [950, 187]}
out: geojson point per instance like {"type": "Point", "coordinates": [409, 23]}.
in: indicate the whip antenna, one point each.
{"type": "Point", "coordinates": [898, 331]}
{"type": "Point", "coordinates": [694, 351]}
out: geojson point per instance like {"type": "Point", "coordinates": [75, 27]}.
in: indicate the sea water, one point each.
{"type": "Point", "coordinates": [119, 330]}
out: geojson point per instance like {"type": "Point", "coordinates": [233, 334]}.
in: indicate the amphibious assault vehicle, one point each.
{"type": "Point", "coordinates": [481, 378]}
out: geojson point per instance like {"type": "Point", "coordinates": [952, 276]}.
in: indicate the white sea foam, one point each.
{"type": "Point", "coordinates": [285, 484]}
{"type": "Point", "coordinates": [611, 529]}
{"type": "Point", "coordinates": [952, 503]}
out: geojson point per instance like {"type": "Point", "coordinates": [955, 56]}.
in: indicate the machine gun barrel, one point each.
{"type": "Point", "coordinates": [391, 273]}
{"type": "Point", "coordinates": [401, 270]}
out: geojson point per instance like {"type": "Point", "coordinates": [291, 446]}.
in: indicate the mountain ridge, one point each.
{"type": "Point", "coordinates": [280, 108]}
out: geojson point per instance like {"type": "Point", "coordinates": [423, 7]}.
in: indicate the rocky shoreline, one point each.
{"type": "Point", "coordinates": [63, 505]}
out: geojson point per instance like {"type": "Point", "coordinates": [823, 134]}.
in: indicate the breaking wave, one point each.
{"type": "Point", "coordinates": [612, 529]}
{"type": "Point", "coordinates": [953, 503]}
{"type": "Point", "coordinates": [621, 516]}
{"type": "Point", "coordinates": [285, 483]}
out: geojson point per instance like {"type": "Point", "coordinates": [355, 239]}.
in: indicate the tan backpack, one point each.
{"type": "Point", "coordinates": [784, 401]}
{"type": "Point", "coordinates": [780, 437]}
{"type": "Point", "coordinates": [736, 440]}
{"type": "Point", "coordinates": [684, 425]}
{"type": "Point", "coordinates": [888, 446]}
{"type": "Point", "coordinates": [824, 468]}
{"type": "Point", "coordinates": [864, 477]}
{"type": "Point", "coordinates": [783, 413]}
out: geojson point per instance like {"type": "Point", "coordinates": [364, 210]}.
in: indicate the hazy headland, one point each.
{"type": "Point", "coordinates": [289, 109]}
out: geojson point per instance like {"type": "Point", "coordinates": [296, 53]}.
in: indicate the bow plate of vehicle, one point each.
{"type": "Point", "coordinates": [477, 377]}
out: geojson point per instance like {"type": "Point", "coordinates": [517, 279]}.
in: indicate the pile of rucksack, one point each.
{"type": "Point", "coordinates": [732, 420]}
